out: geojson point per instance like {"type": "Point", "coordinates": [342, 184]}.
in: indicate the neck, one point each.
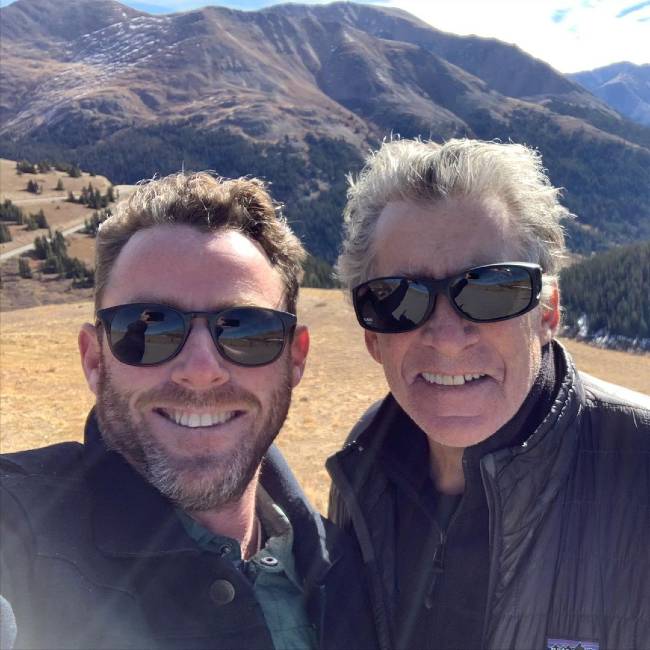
{"type": "Point", "coordinates": [446, 467]}
{"type": "Point", "coordinates": [236, 520]}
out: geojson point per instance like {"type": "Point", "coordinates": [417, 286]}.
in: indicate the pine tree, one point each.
{"type": "Point", "coordinates": [33, 187]}
{"type": "Point", "coordinates": [24, 269]}
{"type": "Point", "coordinates": [5, 235]}
{"type": "Point", "coordinates": [41, 220]}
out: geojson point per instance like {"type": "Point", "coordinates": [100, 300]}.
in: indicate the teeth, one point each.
{"type": "Point", "coordinates": [449, 380]}
{"type": "Point", "coordinates": [194, 420]}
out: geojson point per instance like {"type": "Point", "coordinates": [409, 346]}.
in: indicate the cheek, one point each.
{"type": "Point", "coordinates": [130, 382]}
{"type": "Point", "coordinates": [521, 349]}
{"type": "Point", "coordinates": [394, 351]}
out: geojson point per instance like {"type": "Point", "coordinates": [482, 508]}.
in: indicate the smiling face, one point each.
{"type": "Point", "coordinates": [196, 426]}
{"type": "Point", "coordinates": [459, 381]}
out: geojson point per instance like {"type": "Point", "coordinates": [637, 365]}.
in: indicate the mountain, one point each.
{"type": "Point", "coordinates": [298, 94]}
{"type": "Point", "coordinates": [624, 86]}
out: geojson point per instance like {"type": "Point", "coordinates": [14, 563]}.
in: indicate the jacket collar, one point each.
{"type": "Point", "coordinates": [528, 477]}
{"type": "Point", "coordinates": [132, 518]}
{"type": "Point", "coordinates": [547, 452]}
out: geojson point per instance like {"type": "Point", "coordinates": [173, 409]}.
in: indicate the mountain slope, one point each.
{"type": "Point", "coordinates": [624, 86]}
{"type": "Point", "coordinates": [297, 94]}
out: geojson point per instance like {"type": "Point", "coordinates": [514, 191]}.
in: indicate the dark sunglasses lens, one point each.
{"type": "Point", "coordinates": [250, 336]}
{"type": "Point", "coordinates": [146, 335]}
{"type": "Point", "coordinates": [391, 304]}
{"type": "Point", "coordinates": [493, 293]}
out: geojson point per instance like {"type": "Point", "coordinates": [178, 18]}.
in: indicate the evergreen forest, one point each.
{"type": "Point", "coordinates": [608, 294]}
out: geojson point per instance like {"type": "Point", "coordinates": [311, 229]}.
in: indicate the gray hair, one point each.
{"type": "Point", "coordinates": [415, 170]}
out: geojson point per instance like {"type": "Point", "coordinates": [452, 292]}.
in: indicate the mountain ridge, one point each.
{"type": "Point", "coordinates": [624, 86]}
{"type": "Point", "coordinates": [130, 94]}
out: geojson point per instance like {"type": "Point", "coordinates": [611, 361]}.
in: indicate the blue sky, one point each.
{"type": "Point", "coordinates": [571, 35]}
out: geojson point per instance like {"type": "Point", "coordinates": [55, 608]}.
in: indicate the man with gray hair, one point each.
{"type": "Point", "coordinates": [174, 525]}
{"type": "Point", "coordinates": [499, 497]}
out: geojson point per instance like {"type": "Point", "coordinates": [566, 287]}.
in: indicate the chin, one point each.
{"type": "Point", "coordinates": [457, 431]}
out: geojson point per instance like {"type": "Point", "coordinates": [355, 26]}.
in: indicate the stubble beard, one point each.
{"type": "Point", "coordinates": [200, 482]}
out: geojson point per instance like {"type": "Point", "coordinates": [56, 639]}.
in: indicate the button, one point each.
{"type": "Point", "coordinates": [222, 592]}
{"type": "Point", "coordinates": [268, 560]}
{"type": "Point", "coordinates": [224, 549]}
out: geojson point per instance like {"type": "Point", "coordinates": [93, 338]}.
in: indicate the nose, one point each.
{"type": "Point", "coordinates": [199, 364]}
{"type": "Point", "coordinates": [447, 331]}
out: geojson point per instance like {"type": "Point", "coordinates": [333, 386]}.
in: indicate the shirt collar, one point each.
{"type": "Point", "coordinates": [278, 534]}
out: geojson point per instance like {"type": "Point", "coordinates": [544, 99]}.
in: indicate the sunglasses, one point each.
{"type": "Point", "coordinates": [148, 334]}
{"type": "Point", "coordinates": [483, 294]}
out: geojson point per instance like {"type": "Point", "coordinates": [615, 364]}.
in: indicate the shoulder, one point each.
{"type": "Point", "coordinates": [613, 426]}
{"type": "Point", "coordinates": [616, 405]}
{"type": "Point", "coordinates": [607, 394]}
{"type": "Point", "coordinates": [40, 481]}
{"type": "Point", "coordinates": [56, 461]}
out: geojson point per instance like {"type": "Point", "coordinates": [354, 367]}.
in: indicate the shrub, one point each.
{"type": "Point", "coordinates": [24, 269]}
{"type": "Point", "coordinates": [5, 235]}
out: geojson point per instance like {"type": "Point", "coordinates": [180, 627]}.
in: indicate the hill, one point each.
{"type": "Point", "coordinates": [45, 189]}
{"type": "Point", "coordinates": [623, 86]}
{"type": "Point", "coordinates": [605, 297]}
{"type": "Point", "coordinates": [297, 94]}
{"type": "Point", "coordinates": [45, 398]}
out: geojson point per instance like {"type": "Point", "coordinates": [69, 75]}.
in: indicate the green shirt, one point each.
{"type": "Point", "coordinates": [272, 572]}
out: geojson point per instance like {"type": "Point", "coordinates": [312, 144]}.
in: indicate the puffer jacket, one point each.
{"type": "Point", "coordinates": [569, 514]}
{"type": "Point", "coordinates": [92, 556]}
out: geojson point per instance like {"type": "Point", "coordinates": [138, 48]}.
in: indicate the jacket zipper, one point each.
{"type": "Point", "coordinates": [439, 554]}
{"type": "Point", "coordinates": [438, 569]}
{"type": "Point", "coordinates": [493, 541]}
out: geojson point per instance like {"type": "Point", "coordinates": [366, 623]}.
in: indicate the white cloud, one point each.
{"type": "Point", "coordinates": [572, 35]}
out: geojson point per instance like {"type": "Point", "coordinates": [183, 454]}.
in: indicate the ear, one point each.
{"type": "Point", "coordinates": [89, 349]}
{"type": "Point", "coordinates": [550, 315]}
{"type": "Point", "coordinates": [372, 345]}
{"type": "Point", "coordinates": [299, 350]}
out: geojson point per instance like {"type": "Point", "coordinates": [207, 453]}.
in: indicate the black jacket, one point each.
{"type": "Point", "coordinates": [569, 521]}
{"type": "Point", "coordinates": [94, 557]}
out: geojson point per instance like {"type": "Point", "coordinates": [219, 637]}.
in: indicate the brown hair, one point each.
{"type": "Point", "coordinates": [207, 203]}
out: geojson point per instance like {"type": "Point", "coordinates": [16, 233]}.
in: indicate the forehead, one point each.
{"type": "Point", "coordinates": [183, 266]}
{"type": "Point", "coordinates": [442, 238]}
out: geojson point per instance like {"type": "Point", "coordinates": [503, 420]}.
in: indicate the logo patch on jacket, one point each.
{"type": "Point", "coordinates": [568, 644]}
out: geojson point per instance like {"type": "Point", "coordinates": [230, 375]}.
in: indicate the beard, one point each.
{"type": "Point", "coordinates": [203, 481]}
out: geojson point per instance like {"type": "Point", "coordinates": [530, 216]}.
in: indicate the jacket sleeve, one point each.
{"type": "Point", "coordinates": [16, 549]}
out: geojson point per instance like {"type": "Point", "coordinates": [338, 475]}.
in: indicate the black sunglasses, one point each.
{"type": "Point", "coordinates": [483, 294]}
{"type": "Point", "coordinates": [147, 334]}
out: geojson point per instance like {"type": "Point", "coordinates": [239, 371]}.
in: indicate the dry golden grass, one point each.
{"type": "Point", "coordinates": [59, 213]}
{"type": "Point", "coordinates": [12, 184]}
{"type": "Point", "coordinates": [44, 398]}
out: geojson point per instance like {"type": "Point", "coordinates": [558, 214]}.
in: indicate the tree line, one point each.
{"type": "Point", "coordinates": [52, 251]}
{"type": "Point", "coordinates": [607, 294]}
{"type": "Point", "coordinates": [43, 166]}
{"type": "Point", "coordinates": [11, 213]}
{"type": "Point", "coordinates": [92, 197]}
{"type": "Point", "coordinates": [607, 182]}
